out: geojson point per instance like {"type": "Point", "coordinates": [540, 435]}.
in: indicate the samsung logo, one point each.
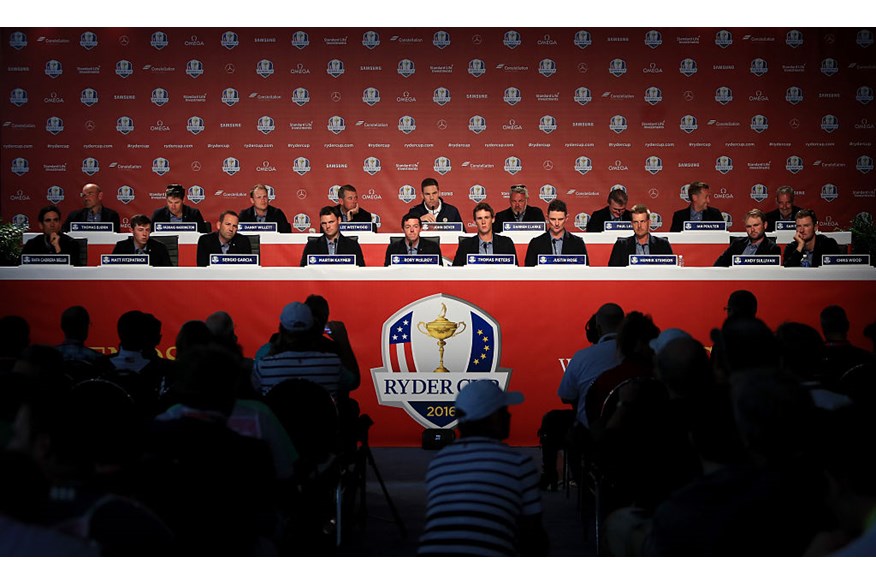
{"type": "Point", "coordinates": [582, 124]}
{"type": "Point", "coordinates": [476, 96]}
{"type": "Point", "coordinates": [18, 69]}
{"type": "Point", "coordinates": [618, 39]}
{"type": "Point", "coordinates": [336, 165]}
{"type": "Point", "coordinates": [230, 125]}
{"type": "Point", "coordinates": [369, 68]}
{"type": "Point", "coordinates": [723, 67]}
{"type": "Point", "coordinates": [125, 97]}
{"type": "Point", "coordinates": [264, 40]}
{"type": "Point", "coordinates": [688, 165]}
{"type": "Point", "coordinates": [825, 95]}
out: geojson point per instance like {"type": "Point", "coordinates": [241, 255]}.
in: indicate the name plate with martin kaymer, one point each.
{"type": "Point", "coordinates": [356, 227]}
{"type": "Point", "coordinates": [654, 260]}
{"type": "Point", "coordinates": [785, 226]}
{"type": "Point", "coordinates": [124, 259]}
{"type": "Point", "coordinates": [523, 225]}
{"type": "Point", "coordinates": [756, 260]}
{"type": "Point", "coordinates": [257, 227]}
{"type": "Point", "coordinates": [439, 226]}
{"type": "Point", "coordinates": [414, 260]}
{"type": "Point", "coordinates": [562, 260]}
{"type": "Point", "coordinates": [176, 227]}
{"type": "Point", "coordinates": [705, 226]}
{"type": "Point", "coordinates": [475, 259]}
{"type": "Point", "coordinates": [227, 259]}
{"type": "Point", "coordinates": [856, 259]}
{"type": "Point", "coordinates": [45, 259]}
{"type": "Point", "coordinates": [618, 226]}
{"type": "Point", "coordinates": [331, 260]}
{"type": "Point", "coordinates": [95, 226]}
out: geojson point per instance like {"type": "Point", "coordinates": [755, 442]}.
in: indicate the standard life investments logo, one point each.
{"type": "Point", "coordinates": [431, 349]}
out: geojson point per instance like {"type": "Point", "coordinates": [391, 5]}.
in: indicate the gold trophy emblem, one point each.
{"type": "Point", "coordinates": [441, 329]}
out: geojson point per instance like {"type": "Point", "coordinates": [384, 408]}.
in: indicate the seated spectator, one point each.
{"type": "Point", "coordinates": [839, 354]}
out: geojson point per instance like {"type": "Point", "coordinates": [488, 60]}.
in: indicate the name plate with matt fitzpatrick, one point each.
{"type": "Point", "coordinates": [124, 259]}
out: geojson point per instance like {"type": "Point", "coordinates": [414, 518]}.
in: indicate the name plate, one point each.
{"type": "Point", "coordinates": [861, 259]}
{"type": "Point", "coordinates": [785, 225]}
{"type": "Point", "coordinates": [756, 260]}
{"type": "Point", "coordinates": [556, 260]}
{"type": "Point", "coordinates": [445, 226]}
{"type": "Point", "coordinates": [331, 260]}
{"type": "Point", "coordinates": [618, 226]}
{"type": "Point", "coordinates": [354, 226]}
{"type": "Point", "coordinates": [255, 226]}
{"type": "Point", "coordinates": [414, 260]}
{"type": "Point", "coordinates": [104, 226]}
{"type": "Point", "coordinates": [653, 260]}
{"type": "Point", "coordinates": [476, 259]}
{"type": "Point", "coordinates": [175, 227]}
{"type": "Point", "coordinates": [227, 259]}
{"type": "Point", "coordinates": [45, 259]}
{"type": "Point", "coordinates": [705, 226]}
{"type": "Point", "coordinates": [523, 225]}
{"type": "Point", "coordinates": [124, 259]}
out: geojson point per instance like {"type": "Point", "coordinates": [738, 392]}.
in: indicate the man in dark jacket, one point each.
{"type": "Point", "coordinates": [616, 210]}
{"type": "Point", "coordinates": [556, 241]}
{"type": "Point", "coordinates": [52, 241]}
{"type": "Point", "coordinates": [485, 242]}
{"type": "Point", "coordinates": [93, 209]}
{"type": "Point", "coordinates": [642, 242]}
{"type": "Point", "coordinates": [175, 211]}
{"type": "Point", "coordinates": [433, 209]}
{"type": "Point", "coordinates": [140, 242]}
{"type": "Point", "coordinates": [225, 240]}
{"type": "Point", "coordinates": [262, 212]}
{"type": "Point", "coordinates": [785, 209]}
{"type": "Point", "coordinates": [808, 247]}
{"type": "Point", "coordinates": [518, 211]}
{"type": "Point", "coordinates": [698, 210]}
{"type": "Point", "coordinates": [755, 244]}
{"type": "Point", "coordinates": [332, 241]}
{"type": "Point", "coordinates": [412, 243]}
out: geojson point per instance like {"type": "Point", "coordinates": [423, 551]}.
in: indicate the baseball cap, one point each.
{"type": "Point", "coordinates": [482, 398]}
{"type": "Point", "coordinates": [296, 317]}
{"type": "Point", "coordinates": [666, 337]}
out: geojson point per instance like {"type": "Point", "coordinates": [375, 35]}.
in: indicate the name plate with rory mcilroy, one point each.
{"type": "Point", "coordinates": [425, 259]}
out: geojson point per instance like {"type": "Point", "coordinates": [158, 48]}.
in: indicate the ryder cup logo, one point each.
{"type": "Point", "coordinates": [547, 193]}
{"type": "Point", "coordinates": [617, 67]}
{"type": "Point", "coordinates": [20, 166]}
{"type": "Point", "coordinates": [759, 67]}
{"type": "Point", "coordinates": [723, 38]}
{"type": "Point", "coordinates": [431, 349]}
{"type": "Point", "coordinates": [829, 67]}
{"type": "Point", "coordinates": [370, 39]}
{"type": "Point", "coordinates": [688, 123]}
{"type": "Point", "coordinates": [583, 165]}
{"type": "Point", "coordinates": [617, 124]}
{"type": "Point", "coordinates": [336, 125]}
{"type": "Point", "coordinates": [583, 96]}
{"type": "Point", "coordinates": [54, 125]}
{"type": "Point", "coordinates": [124, 68]}
{"type": "Point", "coordinates": [759, 193]}
{"type": "Point", "coordinates": [194, 68]}
{"type": "Point", "coordinates": [18, 97]}
{"type": "Point", "coordinates": [196, 194]}
{"type": "Point", "coordinates": [653, 164]}
{"type": "Point", "coordinates": [407, 194]}
{"type": "Point", "coordinates": [759, 123]}
{"type": "Point", "coordinates": [333, 193]}
{"type": "Point", "coordinates": [581, 220]}
{"type": "Point", "coordinates": [231, 166]}
{"type": "Point", "coordinates": [18, 40]}
{"type": "Point", "coordinates": [125, 194]}
{"type": "Point", "coordinates": [230, 96]}
{"type": "Point", "coordinates": [864, 38]}
{"type": "Point", "coordinates": [90, 166]}
{"type": "Point", "coordinates": [653, 95]}
{"type": "Point", "coordinates": [656, 221]}
{"type": "Point", "coordinates": [476, 68]}
{"type": "Point", "coordinates": [583, 39]}
{"type": "Point", "coordinates": [55, 194]}
{"type": "Point", "coordinates": [159, 96]}
{"type": "Point", "coordinates": [728, 218]}
{"type": "Point", "coordinates": [794, 164]}
{"type": "Point", "coordinates": [88, 96]}
{"type": "Point", "coordinates": [547, 67]}
{"type": "Point", "coordinates": [159, 40]}
{"type": "Point", "coordinates": [301, 96]}
{"type": "Point", "coordinates": [300, 39]}
{"type": "Point", "coordinates": [513, 165]}
{"type": "Point", "coordinates": [829, 192]}
{"type": "Point", "coordinates": [441, 39]}
{"type": "Point", "coordinates": [407, 124]}
{"type": "Point", "coordinates": [723, 95]}
{"type": "Point", "coordinates": [160, 166]}
{"type": "Point", "coordinates": [54, 69]}
{"type": "Point", "coordinates": [682, 194]}
{"type": "Point", "coordinates": [864, 164]}
{"type": "Point", "coordinates": [371, 165]}
{"type": "Point", "coordinates": [442, 165]}
{"type": "Point", "coordinates": [195, 125]}
{"type": "Point", "coordinates": [511, 96]}
{"type": "Point", "coordinates": [441, 96]}
{"type": "Point", "coordinates": [265, 125]}
{"type": "Point", "coordinates": [477, 193]}
{"type": "Point", "coordinates": [794, 95]}
{"type": "Point", "coordinates": [723, 164]}
{"type": "Point", "coordinates": [88, 40]}
{"type": "Point", "coordinates": [371, 96]}
{"type": "Point", "coordinates": [829, 123]}
{"type": "Point", "coordinates": [301, 222]}
{"type": "Point", "coordinates": [653, 39]}
{"type": "Point", "coordinates": [688, 67]}
{"type": "Point", "coordinates": [229, 40]}
{"type": "Point", "coordinates": [794, 39]}
{"type": "Point", "coordinates": [477, 124]}
{"type": "Point", "coordinates": [511, 39]}
{"type": "Point", "coordinates": [264, 68]}
{"type": "Point", "coordinates": [301, 166]}
{"type": "Point", "coordinates": [547, 124]}
{"type": "Point", "coordinates": [864, 95]}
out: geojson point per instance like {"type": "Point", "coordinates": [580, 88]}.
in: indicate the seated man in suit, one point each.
{"type": "Point", "coordinates": [412, 244]}
{"type": "Point", "coordinates": [642, 242]}
{"type": "Point", "coordinates": [348, 206]}
{"type": "Point", "coordinates": [556, 240]}
{"type": "Point", "coordinates": [174, 211]}
{"type": "Point", "coordinates": [616, 210]}
{"type": "Point", "coordinates": [808, 247]}
{"type": "Point", "coordinates": [52, 241]}
{"type": "Point", "coordinates": [433, 208]}
{"type": "Point", "coordinates": [698, 210]}
{"type": "Point", "coordinates": [755, 244]}
{"type": "Point", "coordinates": [785, 209]}
{"type": "Point", "coordinates": [262, 212]}
{"type": "Point", "coordinates": [93, 210]}
{"type": "Point", "coordinates": [519, 210]}
{"type": "Point", "coordinates": [141, 243]}
{"type": "Point", "coordinates": [485, 242]}
{"type": "Point", "coordinates": [225, 240]}
{"type": "Point", "coordinates": [332, 241]}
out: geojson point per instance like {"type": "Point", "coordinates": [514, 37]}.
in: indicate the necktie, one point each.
{"type": "Point", "coordinates": [484, 244]}
{"type": "Point", "coordinates": [556, 251]}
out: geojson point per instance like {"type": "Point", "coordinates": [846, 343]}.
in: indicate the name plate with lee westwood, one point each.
{"type": "Point", "coordinates": [331, 260]}
{"type": "Point", "coordinates": [227, 259]}
{"type": "Point", "coordinates": [857, 259]}
{"type": "Point", "coordinates": [442, 226]}
{"type": "Point", "coordinates": [101, 226]}
{"type": "Point", "coordinates": [124, 259]}
{"type": "Point", "coordinates": [705, 226]}
{"type": "Point", "coordinates": [425, 259]}
{"type": "Point", "coordinates": [523, 225]}
{"type": "Point", "coordinates": [45, 259]}
{"type": "Point", "coordinates": [562, 260]}
{"type": "Point", "coordinates": [654, 260]}
{"type": "Point", "coordinates": [501, 259]}
{"type": "Point", "coordinates": [356, 226]}
{"type": "Point", "coordinates": [257, 227]}
{"type": "Point", "coordinates": [176, 227]}
{"type": "Point", "coordinates": [756, 260]}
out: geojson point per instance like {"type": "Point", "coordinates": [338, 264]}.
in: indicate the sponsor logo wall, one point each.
{"type": "Point", "coordinates": [568, 112]}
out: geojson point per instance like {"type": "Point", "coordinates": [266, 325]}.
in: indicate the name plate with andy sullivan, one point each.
{"type": "Point", "coordinates": [756, 260]}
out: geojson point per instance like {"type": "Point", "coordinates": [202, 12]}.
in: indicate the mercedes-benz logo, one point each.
{"type": "Point", "coordinates": [688, 95]}
{"type": "Point", "coordinates": [90, 125]}
{"type": "Point", "coordinates": [795, 123]}
{"type": "Point", "coordinates": [302, 194]}
{"type": "Point", "coordinates": [196, 166]}
{"type": "Point", "coordinates": [583, 68]}
{"type": "Point", "coordinates": [229, 68]}
{"type": "Point", "coordinates": [476, 39]}
{"type": "Point", "coordinates": [442, 124]}
{"type": "Point", "coordinates": [336, 96]}
{"type": "Point", "coordinates": [653, 193]}
{"type": "Point", "coordinates": [548, 165]}
{"type": "Point", "coordinates": [124, 40]}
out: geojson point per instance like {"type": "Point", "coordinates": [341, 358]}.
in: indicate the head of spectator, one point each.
{"type": "Point", "coordinates": [834, 323]}
{"type": "Point", "coordinates": [75, 322]}
{"type": "Point", "coordinates": [319, 308]}
{"type": "Point", "coordinates": [222, 327]}
{"type": "Point", "coordinates": [741, 304]}
{"type": "Point", "coordinates": [801, 350]}
{"type": "Point", "coordinates": [207, 379]}
{"type": "Point", "coordinates": [608, 319]}
{"type": "Point", "coordinates": [741, 344]}
{"type": "Point", "coordinates": [634, 336]}
{"type": "Point", "coordinates": [870, 333]}
{"type": "Point", "coordinates": [131, 328]}
{"type": "Point", "coordinates": [682, 364]}
{"type": "Point", "coordinates": [193, 333]}
{"type": "Point", "coordinates": [296, 330]}
{"type": "Point", "coordinates": [173, 196]}
{"type": "Point", "coordinates": [482, 410]}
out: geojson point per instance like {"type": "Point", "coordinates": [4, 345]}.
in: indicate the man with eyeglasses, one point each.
{"type": "Point", "coordinates": [616, 210]}
{"type": "Point", "coordinates": [519, 211]}
{"type": "Point", "coordinates": [93, 210]}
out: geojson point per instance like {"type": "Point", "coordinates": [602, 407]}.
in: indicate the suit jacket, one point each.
{"type": "Point", "coordinates": [189, 215]}
{"type": "Point", "coordinates": [424, 247]}
{"type": "Point", "coordinates": [274, 215]}
{"type": "Point", "coordinates": [346, 246]}
{"type": "Point", "coordinates": [823, 245]}
{"type": "Point", "coordinates": [682, 215]}
{"type": "Point", "coordinates": [501, 245]}
{"type": "Point", "coordinates": [362, 216]}
{"type": "Point", "coordinates": [737, 246]}
{"type": "Point", "coordinates": [449, 213]}
{"type": "Point", "coordinates": [529, 214]}
{"type": "Point", "coordinates": [599, 217]}
{"type": "Point", "coordinates": [209, 244]}
{"type": "Point", "coordinates": [38, 245]}
{"type": "Point", "coordinates": [157, 251]}
{"type": "Point", "coordinates": [106, 216]}
{"type": "Point", "coordinates": [774, 216]}
{"type": "Point", "coordinates": [572, 245]}
{"type": "Point", "coordinates": [624, 247]}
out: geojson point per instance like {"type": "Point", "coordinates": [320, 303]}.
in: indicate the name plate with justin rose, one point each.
{"type": "Point", "coordinates": [356, 226]}
{"type": "Point", "coordinates": [124, 259]}
{"type": "Point", "coordinates": [474, 259]}
{"type": "Point", "coordinates": [414, 260]}
{"type": "Point", "coordinates": [45, 259]}
{"type": "Point", "coordinates": [442, 226]}
{"type": "Point", "coordinates": [756, 260]}
{"type": "Point", "coordinates": [257, 227]}
{"type": "Point", "coordinates": [857, 259]}
{"type": "Point", "coordinates": [102, 226]}
{"type": "Point", "coordinates": [618, 226]}
{"type": "Point", "coordinates": [705, 226]}
{"type": "Point", "coordinates": [561, 260]}
{"type": "Point", "coordinates": [523, 225]}
{"type": "Point", "coordinates": [176, 227]}
{"type": "Point", "coordinates": [785, 226]}
{"type": "Point", "coordinates": [653, 260]}
{"type": "Point", "coordinates": [227, 259]}
{"type": "Point", "coordinates": [331, 260]}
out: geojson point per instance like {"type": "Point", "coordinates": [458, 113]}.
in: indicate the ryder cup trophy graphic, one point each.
{"type": "Point", "coordinates": [441, 329]}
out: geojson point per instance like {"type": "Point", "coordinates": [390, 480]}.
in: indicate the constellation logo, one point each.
{"type": "Point", "coordinates": [688, 67]}
{"type": "Point", "coordinates": [794, 95]}
{"type": "Point", "coordinates": [513, 165]}
{"type": "Point", "coordinates": [512, 96]}
{"type": "Point", "coordinates": [370, 39]}
{"type": "Point", "coordinates": [20, 166]}
{"type": "Point", "coordinates": [723, 95]}
{"type": "Point", "coordinates": [442, 165]}
{"type": "Point", "coordinates": [159, 96]}
{"type": "Point", "coordinates": [829, 192]}
{"type": "Point", "coordinates": [194, 68]}
{"type": "Point", "coordinates": [477, 193]}
{"type": "Point", "coordinates": [653, 164]}
{"type": "Point", "coordinates": [864, 38]}
{"type": "Point", "coordinates": [229, 40]}
{"type": "Point", "coordinates": [547, 193]}
{"type": "Point", "coordinates": [160, 166]}
{"type": "Point", "coordinates": [759, 123]}
{"type": "Point", "coordinates": [195, 125]}
{"type": "Point", "coordinates": [301, 96]}
{"type": "Point", "coordinates": [759, 67]}
{"type": "Point", "coordinates": [476, 68]}
{"type": "Point", "coordinates": [54, 125]}
{"type": "Point", "coordinates": [512, 39]}
{"type": "Point", "coordinates": [794, 164]}
{"type": "Point", "coordinates": [90, 166]}
{"type": "Point", "coordinates": [335, 68]}
{"type": "Point", "coordinates": [300, 39]}
{"type": "Point", "coordinates": [723, 164]}
{"type": "Point", "coordinates": [653, 39]}
{"type": "Point", "coordinates": [158, 40]}
{"type": "Point", "coordinates": [617, 124]}
{"type": "Point", "coordinates": [581, 220]}
{"type": "Point", "coordinates": [547, 67]}
{"type": "Point", "coordinates": [55, 194]}
{"type": "Point", "coordinates": [583, 165]}
{"type": "Point", "coordinates": [441, 39]}
{"type": "Point", "coordinates": [653, 95]}
{"type": "Point", "coordinates": [230, 96]}
{"type": "Point", "coordinates": [759, 192]}
{"type": "Point", "coordinates": [547, 124]}
{"type": "Point", "coordinates": [265, 125]}
{"type": "Point", "coordinates": [583, 39]}
{"type": "Point", "coordinates": [829, 67]}
{"type": "Point", "coordinates": [371, 166]}
{"type": "Point", "coordinates": [18, 97]}
{"type": "Point", "coordinates": [617, 67]}
{"type": "Point", "coordinates": [829, 123]}
{"type": "Point", "coordinates": [583, 96]}
{"type": "Point", "coordinates": [125, 194]}
{"type": "Point", "coordinates": [794, 38]}
{"type": "Point", "coordinates": [231, 166]}
{"type": "Point", "coordinates": [864, 164]}
{"type": "Point", "coordinates": [407, 124]}
{"type": "Point", "coordinates": [723, 38]}
{"type": "Point", "coordinates": [88, 96]}
{"type": "Point", "coordinates": [406, 194]}
{"type": "Point", "coordinates": [864, 95]}
{"type": "Point", "coordinates": [124, 68]}
{"type": "Point", "coordinates": [688, 123]}
{"type": "Point", "coordinates": [18, 40]}
{"type": "Point", "coordinates": [477, 124]}
{"type": "Point", "coordinates": [441, 96]}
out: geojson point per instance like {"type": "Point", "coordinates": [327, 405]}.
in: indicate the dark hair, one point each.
{"type": "Point", "coordinates": [344, 188]}
{"type": "Point", "coordinates": [140, 219]}
{"type": "Point", "coordinates": [48, 209]}
{"type": "Point", "coordinates": [695, 187]}
{"type": "Point", "coordinates": [74, 323]}
{"type": "Point", "coordinates": [635, 332]}
{"type": "Point", "coordinates": [228, 212]}
{"type": "Point", "coordinates": [409, 216]}
{"type": "Point", "coordinates": [330, 210]}
{"type": "Point", "coordinates": [834, 321]}
{"type": "Point", "coordinates": [741, 303]}
{"type": "Point", "coordinates": [176, 191]}
{"type": "Point", "coordinates": [558, 205]}
{"type": "Point", "coordinates": [428, 182]}
{"type": "Point", "coordinates": [803, 213]}
{"type": "Point", "coordinates": [319, 307]}
{"type": "Point", "coordinates": [482, 206]}
{"type": "Point", "coordinates": [132, 330]}
{"type": "Point", "coordinates": [618, 196]}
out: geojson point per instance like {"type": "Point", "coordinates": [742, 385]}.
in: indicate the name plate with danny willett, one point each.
{"type": "Point", "coordinates": [654, 260]}
{"type": "Point", "coordinates": [100, 226]}
{"type": "Point", "coordinates": [523, 225]}
{"type": "Point", "coordinates": [256, 227]}
{"type": "Point", "coordinates": [705, 226]}
{"type": "Point", "coordinates": [225, 259]}
{"type": "Point", "coordinates": [438, 226]}
{"type": "Point", "coordinates": [48, 259]}
{"type": "Point", "coordinates": [331, 260]}
{"type": "Point", "coordinates": [858, 259]}
{"type": "Point", "coordinates": [414, 260]}
{"type": "Point", "coordinates": [474, 259]}
{"type": "Point", "coordinates": [124, 259]}
{"type": "Point", "coordinates": [755, 260]}
{"type": "Point", "coordinates": [562, 260]}
{"type": "Point", "coordinates": [176, 227]}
